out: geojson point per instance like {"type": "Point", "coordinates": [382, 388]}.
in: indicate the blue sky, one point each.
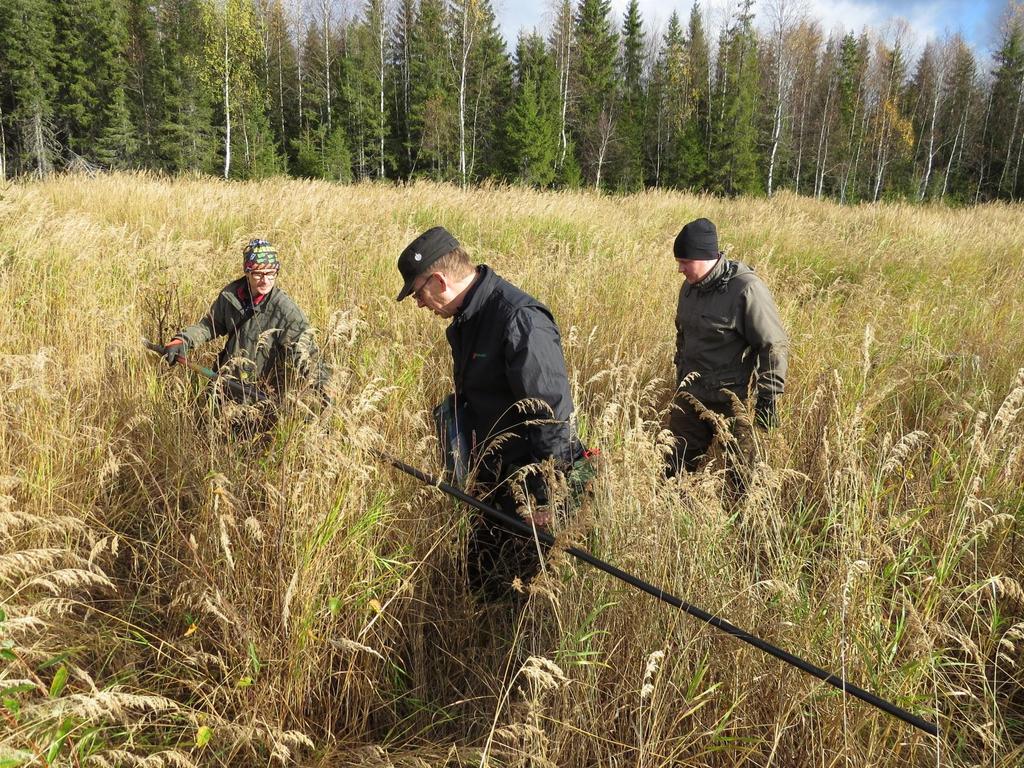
{"type": "Point", "coordinates": [976, 20]}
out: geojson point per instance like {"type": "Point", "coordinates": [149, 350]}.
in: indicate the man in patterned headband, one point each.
{"type": "Point", "coordinates": [267, 334]}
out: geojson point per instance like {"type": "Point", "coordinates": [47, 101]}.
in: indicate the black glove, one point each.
{"type": "Point", "coordinates": [175, 347]}
{"type": "Point", "coordinates": [765, 415]}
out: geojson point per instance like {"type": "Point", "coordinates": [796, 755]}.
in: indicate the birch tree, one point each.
{"type": "Point", "coordinates": [783, 16]}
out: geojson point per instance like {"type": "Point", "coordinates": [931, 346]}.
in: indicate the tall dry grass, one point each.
{"type": "Point", "coordinates": [173, 597]}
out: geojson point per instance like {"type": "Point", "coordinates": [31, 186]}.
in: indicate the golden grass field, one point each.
{"type": "Point", "coordinates": [173, 597]}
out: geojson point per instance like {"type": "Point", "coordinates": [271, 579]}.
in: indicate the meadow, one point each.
{"type": "Point", "coordinates": [175, 597]}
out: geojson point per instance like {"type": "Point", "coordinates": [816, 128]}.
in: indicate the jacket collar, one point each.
{"type": "Point", "coordinates": [478, 294]}
{"type": "Point", "coordinates": [237, 292]}
{"type": "Point", "coordinates": [715, 280]}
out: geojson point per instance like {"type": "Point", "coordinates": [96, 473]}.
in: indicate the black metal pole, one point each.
{"type": "Point", "coordinates": [523, 528]}
{"type": "Point", "coordinates": [247, 392]}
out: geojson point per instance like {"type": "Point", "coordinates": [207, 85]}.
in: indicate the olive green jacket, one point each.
{"type": "Point", "coordinates": [262, 340]}
{"type": "Point", "coordinates": [728, 331]}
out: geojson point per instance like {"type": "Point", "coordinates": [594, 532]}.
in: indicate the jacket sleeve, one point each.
{"type": "Point", "coordinates": [677, 360]}
{"type": "Point", "coordinates": [763, 330]}
{"type": "Point", "coordinates": [535, 370]}
{"type": "Point", "coordinates": [215, 323]}
{"type": "Point", "coordinates": [301, 350]}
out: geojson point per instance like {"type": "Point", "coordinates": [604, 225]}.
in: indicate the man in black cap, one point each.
{"type": "Point", "coordinates": [729, 341]}
{"type": "Point", "coordinates": [511, 393]}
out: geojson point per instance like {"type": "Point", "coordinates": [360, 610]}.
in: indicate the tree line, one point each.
{"type": "Point", "coordinates": [401, 89]}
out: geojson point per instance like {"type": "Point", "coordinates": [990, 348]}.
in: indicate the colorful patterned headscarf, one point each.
{"type": "Point", "coordinates": [259, 255]}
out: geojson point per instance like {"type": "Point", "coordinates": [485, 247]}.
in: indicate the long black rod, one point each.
{"type": "Point", "coordinates": [523, 528]}
{"type": "Point", "coordinates": [247, 392]}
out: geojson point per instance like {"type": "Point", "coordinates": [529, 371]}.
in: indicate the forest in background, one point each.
{"type": "Point", "coordinates": [406, 89]}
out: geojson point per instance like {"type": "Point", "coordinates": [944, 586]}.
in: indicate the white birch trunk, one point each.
{"type": "Point", "coordinates": [776, 132]}
{"type": "Point", "coordinates": [819, 161]}
{"type": "Point", "coordinates": [931, 138]}
{"type": "Point", "coordinates": [781, 12]}
{"type": "Point", "coordinates": [851, 164]}
{"type": "Point", "coordinates": [227, 100]}
{"type": "Point", "coordinates": [39, 149]}
{"type": "Point", "coordinates": [984, 131]}
{"type": "Point", "coordinates": [658, 145]}
{"type": "Point", "coordinates": [883, 133]}
{"type": "Point", "coordinates": [380, 82]}
{"type": "Point", "coordinates": [606, 126]}
{"type": "Point", "coordinates": [467, 43]}
{"type": "Point", "coordinates": [563, 92]}
{"type": "Point", "coordinates": [3, 148]}
{"type": "Point", "coordinates": [405, 89]}
{"type": "Point", "coordinates": [325, 6]}
{"type": "Point", "coordinates": [300, 34]}
{"type": "Point", "coordinates": [952, 156]}
{"type": "Point", "coordinates": [280, 79]}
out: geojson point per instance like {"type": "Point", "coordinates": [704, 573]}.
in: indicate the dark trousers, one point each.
{"type": "Point", "coordinates": [695, 434]}
{"type": "Point", "coordinates": [495, 557]}
{"type": "Point", "coordinates": [247, 420]}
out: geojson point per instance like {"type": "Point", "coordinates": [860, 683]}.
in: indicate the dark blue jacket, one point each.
{"type": "Point", "coordinates": [506, 350]}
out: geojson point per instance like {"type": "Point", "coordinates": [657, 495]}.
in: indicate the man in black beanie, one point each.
{"type": "Point", "coordinates": [511, 397]}
{"type": "Point", "coordinates": [729, 341]}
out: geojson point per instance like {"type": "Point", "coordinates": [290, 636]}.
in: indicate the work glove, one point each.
{"type": "Point", "coordinates": [765, 415]}
{"type": "Point", "coordinates": [175, 347]}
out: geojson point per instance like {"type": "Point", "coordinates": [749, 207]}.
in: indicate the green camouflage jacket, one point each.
{"type": "Point", "coordinates": [263, 341]}
{"type": "Point", "coordinates": [728, 331]}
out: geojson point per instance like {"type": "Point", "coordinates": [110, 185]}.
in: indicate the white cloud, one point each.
{"type": "Point", "coordinates": [926, 19]}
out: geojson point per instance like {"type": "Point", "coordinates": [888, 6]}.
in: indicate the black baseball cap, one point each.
{"type": "Point", "coordinates": [421, 253]}
{"type": "Point", "coordinates": [697, 241]}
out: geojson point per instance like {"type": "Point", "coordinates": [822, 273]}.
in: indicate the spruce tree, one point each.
{"type": "Point", "coordinates": [281, 76]}
{"type": "Point", "coordinates": [365, 95]}
{"type": "Point", "coordinates": [400, 86]}
{"type": "Point", "coordinates": [143, 77]}
{"type": "Point", "coordinates": [117, 147]}
{"type": "Point", "coordinates": [664, 98]}
{"type": "Point", "coordinates": [595, 113]}
{"type": "Point", "coordinates": [433, 117]}
{"type": "Point", "coordinates": [735, 169]}
{"type": "Point", "coordinates": [90, 40]}
{"type": "Point", "coordinates": [532, 134]}
{"type": "Point", "coordinates": [27, 87]}
{"type": "Point", "coordinates": [185, 134]}
{"type": "Point", "coordinates": [77, 101]}
{"type": "Point", "coordinates": [962, 104]}
{"type": "Point", "coordinates": [1006, 131]}
{"type": "Point", "coordinates": [489, 93]}
{"type": "Point", "coordinates": [630, 166]}
{"type": "Point", "coordinates": [313, 110]}
{"type": "Point", "coordinates": [847, 69]}
{"type": "Point", "coordinates": [693, 148]}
